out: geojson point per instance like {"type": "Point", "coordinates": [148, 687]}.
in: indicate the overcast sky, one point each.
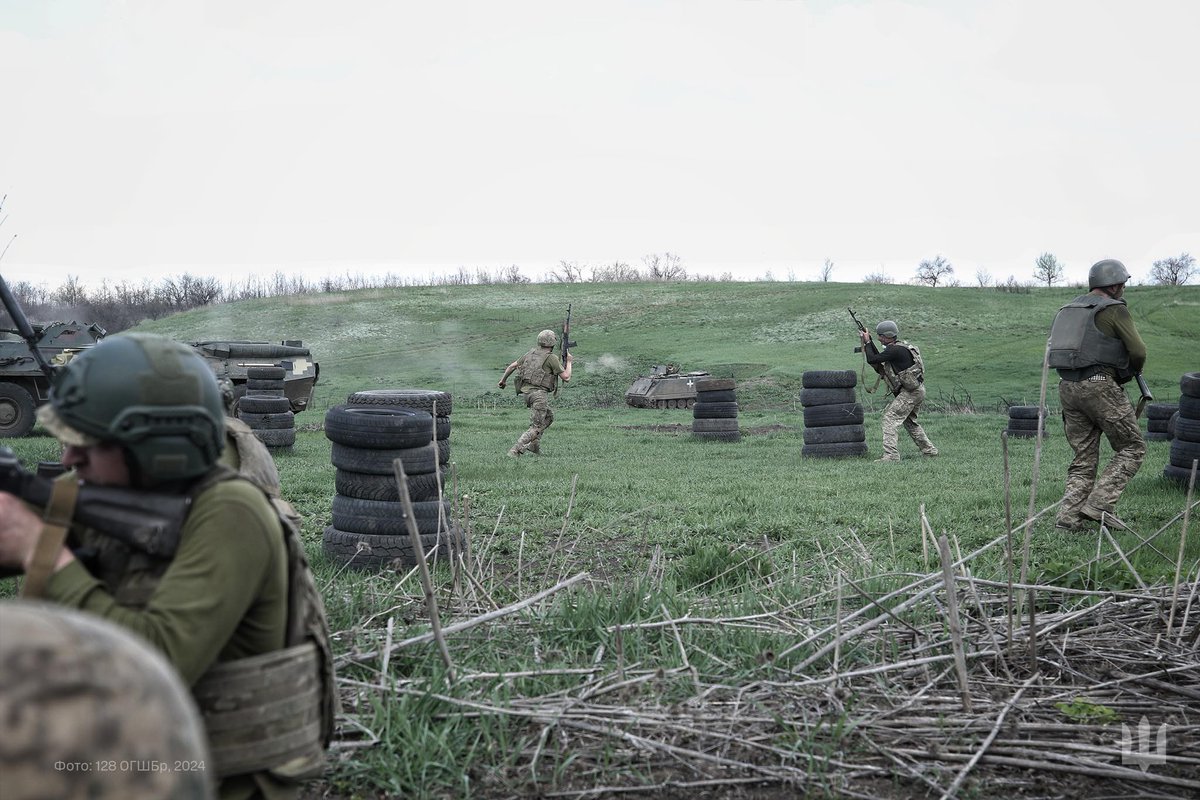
{"type": "Point", "coordinates": [145, 138]}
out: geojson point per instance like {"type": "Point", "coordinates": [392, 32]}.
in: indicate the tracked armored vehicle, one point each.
{"type": "Point", "coordinates": [664, 387]}
{"type": "Point", "coordinates": [231, 359]}
{"type": "Point", "coordinates": [23, 384]}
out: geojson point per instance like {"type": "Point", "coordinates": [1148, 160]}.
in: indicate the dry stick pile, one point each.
{"type": "Point", "coordinates": [929, 690]}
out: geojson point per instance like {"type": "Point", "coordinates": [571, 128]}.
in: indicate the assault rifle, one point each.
{"type": "Point", "coordinates": [144, 521]}
{"type": "Point", "coordinates": [566, 342]}
{"type": "Point", "coordinates": [24, 328]}
{"type": "Point", "coordinates": [884, 371]}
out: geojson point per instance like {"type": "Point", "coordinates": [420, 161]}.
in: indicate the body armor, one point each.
{"type": "Point", "coordinates": [532, 371]}
{"type": "Point", "coordinates": [1078, 347]}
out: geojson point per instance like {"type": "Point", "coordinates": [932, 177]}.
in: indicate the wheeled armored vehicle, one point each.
{"type": "Point", "coordinates": [664, 387]}
{"type": "Point", "coordinates": [23, 384]}
{"type": "Point", "coordinates": [231, 359]}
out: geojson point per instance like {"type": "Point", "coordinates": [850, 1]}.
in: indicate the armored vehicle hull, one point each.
{"type": "Point", "coordinates": [23, 385]}
{"type": "Point", "coordinates": [664, 387]}
{"type": "Point", "coordinates": [230, 360]}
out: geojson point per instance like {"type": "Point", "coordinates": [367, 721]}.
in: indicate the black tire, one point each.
{"type": "Point", "coordinates": [1025, 412]}
{"type": "Point", "coordinates": [382, 518]}
{"type": "Point", "coordinates": [1157, 436]}
{"type": "Point", "coordinates": [421, 486]}
{"type": "Point", "coordinates": [1017, 424]}
{"type": "Point", "coordinates": [1189, 384]}
{"type": "Point", "coordinates": [1158, 426]}
{"type": "Point", "coordinates": [263, 393]}
{"type": "Point", "coordinates": [1172, 423]}
{"type": "Point", "coordinates": [259, 404]}
{"type": "Point", "coordinates": [1187, 430]}
{"type": "Point", "coordinates": [826, 397]}
{"type": "Point", "coordinates": [719, 396]}
{"type": "Point", "coordinates": [266, 373]}
{"type": "Point", "coordinates": [265, 350]}
{"type": "Point", "coordinates": [378, 427]}
{"type": "Point", "coordinates": [829, 379]}
{"type": "Point", "coordinates": [715, 410]}
{"type": "Point", "coordinates": [713, 425]}
{"type": "Point", "coordinates": [715, 384]}
{"type": "Point", "coordinates": [835, 434]}
{"type": "Point", "coordinates": [1018, 434]}
{"type": "Point", "coordinates": [416, 460]}
{"type": "Point", "coordinates": [442, 425]}
{"type": "Point", "coordinates": [421, 399]}
{"type": "Point", "coordinates": [361, 551]}
{"type": "Point", "coordinates": [1161, 410]}
{"type": "Point", "coordinates": [1179, 475]}
{"type": "Point", "coordinates": [1189, 407]}
{"type": "Point", "coordinates": [834, 450]}
{"type": "Point", "coordinates": [272, 385]}
{"type": "Point", "coordinates": [266, 422]}
{"type": "Point", "coordinates": [277, 437]}
{"type": "Point", "coordinates": [17, 411]}
{"type": "Point", "coordinates": [1183, 452]}
{"type": "Point", "coordinates": [718, 436]}
{"type": "Point", "coordinates": [839, 414]}
{"type": "Point", "coordinates": [443, 450]}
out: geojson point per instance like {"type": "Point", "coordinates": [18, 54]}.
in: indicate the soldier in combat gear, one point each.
{"type": "Point", "coordinates": [538, 373]}
{"type": "Point", "coordinates": [234, 608]}
{"type": "Point", "coordinates": [907, 371]}
{"type": "Point", "coordinates": [1096, 348]}
{"type": "Point", "coordinates": [92, 711]}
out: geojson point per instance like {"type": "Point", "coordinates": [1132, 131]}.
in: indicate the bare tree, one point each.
{"type": "Point", "coordinates": [930, 271]}
{"type": "Point", "coordinates": [1173, 271]}
{"type": "Point", "coordinates": [827, 271]}
{"type": "Point", "coordinates": [877, 277]}
{"type": "Point", "coordinates": [983, 277]}
{"type": "Point", "coordinates": [512, 274]}
{"type": "Point", "coordinates": [566, 272]}
{"type": "Point", "coordinates": [1047, 269]}
{"type": "Point", "coordinates": [667, 267]}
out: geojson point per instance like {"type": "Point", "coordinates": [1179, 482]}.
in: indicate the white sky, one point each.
{"type": "Point", "coordinates": [145, 138]}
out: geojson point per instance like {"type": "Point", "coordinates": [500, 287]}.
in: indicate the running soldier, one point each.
{"type": "Point", "coordinates": [538, 373]}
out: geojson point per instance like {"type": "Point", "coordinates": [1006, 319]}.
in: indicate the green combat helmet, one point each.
{"type": "Point", "coordinates": [547, 338]}
{"type": "Point", "coordinates": [153, 396]}
{"type": "Point", "coordinates": [887, 328]}
{"type": "Point", "coordinates": [91, 711]}
{"type": "Point", "coordinates": [1108, 272]}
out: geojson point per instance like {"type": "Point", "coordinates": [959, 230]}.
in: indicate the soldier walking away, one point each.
{"type": "Point", "coordinates": [1096, 349]}
{"type": "Point", "coordinates": [907, 377]}
{"type": "Point", "coordinates": [538, 373]}
{"type": "Point", "coordinates": [230, 603]}
{"type": "Point", "coordinates": [90, 710]}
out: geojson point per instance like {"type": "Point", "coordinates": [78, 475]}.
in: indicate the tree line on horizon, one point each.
{"type": "Point", "coordinates": [122, 305]}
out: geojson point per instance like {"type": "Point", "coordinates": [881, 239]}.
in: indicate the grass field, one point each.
{"type": "Point", "coordinates": [709, 569]}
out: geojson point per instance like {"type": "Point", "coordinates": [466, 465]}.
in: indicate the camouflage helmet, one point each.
{"type": "Point", "coordinates": [153, 396]}
{"type": "Point", "coordinates": [547, 338]}
{"type": "Point", "coordinates": [90, 710]}
{"type": "Point", "coordinates": [1108, 272]}
{"type": "Point", "coordinates": [887, 328]}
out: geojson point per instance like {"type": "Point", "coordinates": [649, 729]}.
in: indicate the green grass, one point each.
{"type": "Point", "coordinates": [665, 525]}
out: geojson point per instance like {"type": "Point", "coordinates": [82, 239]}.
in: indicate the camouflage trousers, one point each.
{"type": "Point", "coordinates": [903, 411]}
{"type": "Point", "coordinates": [540, 418]}
{"type": "Point", "coordinates": [1091, 408]}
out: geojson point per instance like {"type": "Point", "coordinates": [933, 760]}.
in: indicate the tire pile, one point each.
{"type": "Point", "coordinates": [833, 417]}
{"type": "Point", "coordinates": [1158, 418]}
{"type": "Point", "coordinates": [1023, 422]}
{"type": "Point", "coordinates": [373, 428]}
{"type": "Point", "coordinates": [266, 409]}
{"type": "Point", "coordinates": [1185, 444]}
{"type": "Point", "coordinates": [715, 412]}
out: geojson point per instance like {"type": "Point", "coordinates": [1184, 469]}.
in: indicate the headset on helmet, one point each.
{"type": "Point", "coordinates": [887, 328]}
{"type": "Point", "coordinates": [153, 396]}
{"type": "Point", "coordinates": [1108, 272]}
{"type": "Point", "coordinates": [547, 338]}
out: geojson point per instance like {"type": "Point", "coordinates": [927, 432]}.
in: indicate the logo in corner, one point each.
{"type": "Point", "coordinates": [1141, 752]}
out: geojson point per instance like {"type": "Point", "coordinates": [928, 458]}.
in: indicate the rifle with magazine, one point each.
{"type": "Point", "coordinates": [884, 371]}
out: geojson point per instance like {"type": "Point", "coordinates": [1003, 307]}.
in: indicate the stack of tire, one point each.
{"type": "Point", "coordinates": [1158, 417]}
{"type": "Point", "coordinates": [1023, 422]}
{"type": "Point", "coordinates": [833, 418]}
{"type": "Point", "coordinates": [715, 412]}
{"type": "Point", "coordinates": [266, 409]}
{"type": "Point", "coordinates": [368, 433]}
{"type": "Point", "coordinates": [1185, 446]}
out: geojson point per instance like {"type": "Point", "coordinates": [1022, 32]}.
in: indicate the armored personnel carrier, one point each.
{"type": "Point", "coordinates": [664, 387]}
{"type": "Point", "coordinates": [23, 384]}
{"type": "Point", "coordinates": [232, 359]}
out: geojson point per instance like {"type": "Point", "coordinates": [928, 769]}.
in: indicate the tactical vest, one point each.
{"type": "Point", "coordinates": [914, 375]}
{"type": "Point", "coordinates": [532, 370]}
{"type": "Point", "coordinates": [274, 711]}
{"type": "Point", "coordinates": [1078, 347]}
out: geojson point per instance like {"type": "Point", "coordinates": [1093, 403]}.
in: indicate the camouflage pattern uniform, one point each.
{"type": "Point", "coordinates": [1095, 348]}
{"type": "Point", "coordinates": [905, 368]}
{"type": "Point", "coordinates": [91, 711]}
{"type": "Point", "coordinates": [538, 372]}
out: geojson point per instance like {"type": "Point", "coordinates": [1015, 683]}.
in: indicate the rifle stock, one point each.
{"type": "Point", "coordinates": [144, 521]}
